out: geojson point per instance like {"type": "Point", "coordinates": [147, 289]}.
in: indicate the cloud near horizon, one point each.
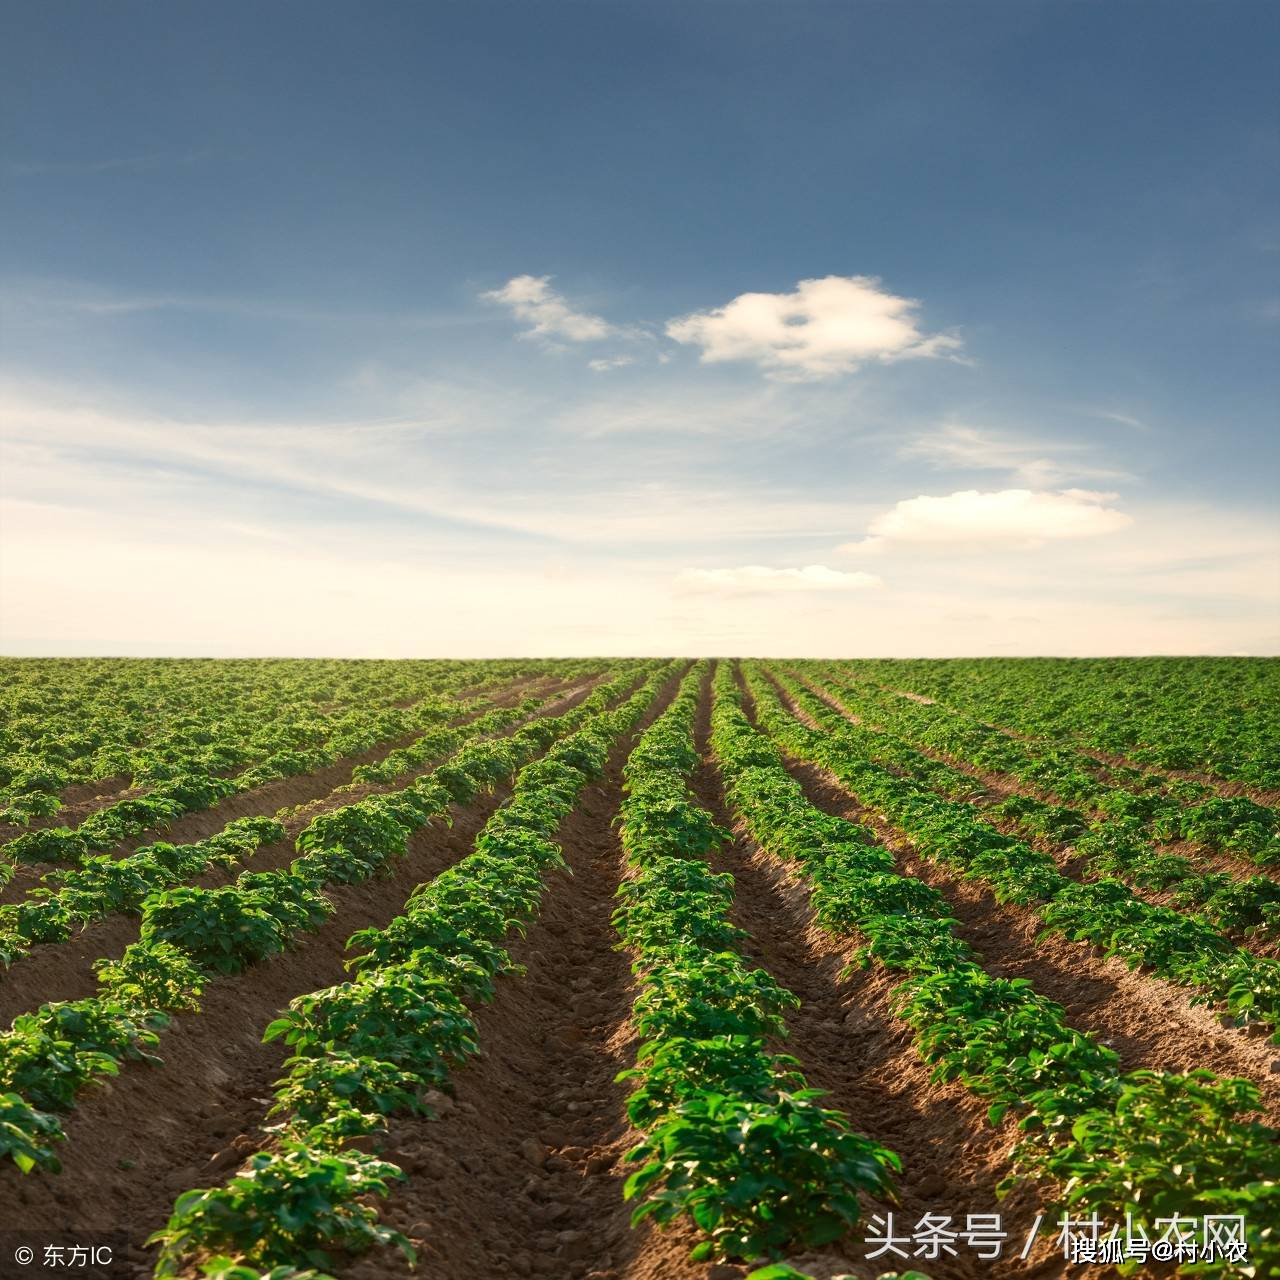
{"type": "Point", "coordinates": [357, 537]}
{"type": "Point", "coordinates": [822, 329]}
{"type": "Point", "coordinates": [758, 577]}
{"type": "Point", "coordinates": [1015, 518]}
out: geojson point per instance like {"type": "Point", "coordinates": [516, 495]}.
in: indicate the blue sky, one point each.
{"type": "Point", "coordinates": [601, 327]}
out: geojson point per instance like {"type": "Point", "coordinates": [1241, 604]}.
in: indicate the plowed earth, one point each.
{"type": "Point", "coordinates": [522, 1172]}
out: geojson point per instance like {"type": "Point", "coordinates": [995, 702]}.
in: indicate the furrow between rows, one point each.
{"type": "Point", "coordinates": [64, 971]}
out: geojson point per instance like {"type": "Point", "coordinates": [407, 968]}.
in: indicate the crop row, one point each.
{"type": "Point", "coordinates": [104, 886]}
{"type": "Point", "coordinates": [1106, 846]}
{"type": "Point", "coordinates": [1156, 805]}
{"type": "Point", "coordinates": [350, 734]}
{"type": "Point", "coordinates": [1142, 1143]}
{"type": "Point", "coordinates": [189, 934]}
{"type": "Point", "coordinates": [1182, 948]}
{"type": "Point", "coordinates": [733, 1139]}
{"type": "Point", "coordinates": [66, 723]}
{"type": "Point", "coordinates": [1221, 715]}
{"type": "Point", "coordinates": [149, 722]}
{"type": "Point", "coordinates": [383, 1041]}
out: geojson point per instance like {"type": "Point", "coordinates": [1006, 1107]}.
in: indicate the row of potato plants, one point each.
{"type": "Point", "coordinates": [103, 886]}
{"type": "Point", "coordinates": [1155, 805]}
{"type": "Point", "coordinates": [381, 1042]}
{"type": "Point", "coordinates": [437, 742]}
{"type": "Point", "coordinates": [1174, 945]}
{"type": "Point", "coordinates": [66, 711]}
{"type": "Point", "coordinates": [733, 1138]}
{"type": "Point", "coordinates": [1144, 1143]}
{"type": "Point", "coordinates": [1215, 715]}
{"type": "Point", "coordinates": [1108, 846]}
{"type": "Point", "coordinates": [310, 747]}
{"type": "Point", "coordinates": [68, 722]}
{"type": "Point", "coordinates": [349, 734]}
{"type": "Point", "coordinates": [146, 723]}
{"type": "Point", "coordinates": [189, 935]}
{"type": "Point", "coordinates": [40, 915]}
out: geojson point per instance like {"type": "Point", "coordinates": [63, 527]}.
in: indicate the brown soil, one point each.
{"type": "Point", "coordinates": [78, 801]}
{"type": "Point", "coordinates": [1148, 1021]}
{"type": "Point", "coordinates": [1221, 786]}
{"type": "Point", "coordinates": [137, 1142]}
{"type": "Point", "coordinates": [523, 1175]}
{"type": "Point", "coordinates": [1077, 867]}
{"type": "Point", "coordinates": [850, 1044]}
{"type": "Point", "coordinates": [64, 970]}
{"type": "Point", "coordinates": [133, 1144]}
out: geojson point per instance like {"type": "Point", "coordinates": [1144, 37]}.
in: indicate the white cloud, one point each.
{"type": "Point", "coordinates": [364, 536]}
{"type": "Point", "coordinates": [605, 363]}
{"type": "Point", "coordinates": [58, 439]}
{"type": "Point", "coordinates": [758, 577]}
{"type": "Point", "coordinates": [1017, 518]}
{"type": "Point", "coordinates": [823, 329]}
{"type": "Point", "coordinates": [534, 302]}
{"type": "Point", "coordinates": [1031, 462]}
{"type": "Point", "coordinates": [87, 579]}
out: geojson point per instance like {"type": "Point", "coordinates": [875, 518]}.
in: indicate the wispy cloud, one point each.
{"type": "Point", "coordinates": [45, 299]}
{"type": "Point", "coordinates": [758, 577]}
{"type": "Point", "coordinates": [822, 329]}
{"type": "Point", "coordinates": [1123, 419]}
{"type": "Point", "coordinates": [1036, 464]}
{"type": "Point", "coordinates": [351, 538]}
{"type": "Point", "coordinates": [107, 164]}
{"type": "Point", "coordinates": [681, 408]}
{"type": "Point", "coordinates": [606, 363]}
{"type": "Point", "coordinates": [85, 578]}
{"type": "Point", "coordinates": [412, 467]}
{"type": "Point", "coordinates": [362, 461]}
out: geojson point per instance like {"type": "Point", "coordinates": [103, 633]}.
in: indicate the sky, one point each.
{"type": "Point", "coordinates": [717, 326]}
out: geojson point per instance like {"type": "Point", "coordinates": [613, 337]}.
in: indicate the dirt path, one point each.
{"type": "Point", "coordinates": [521, 1176]}
{"type": "Point", "coordinates": [1073, 865]}
{"type": "Point", "coordinates": [135, 1143]}
{"type": "Point", "coordinates": [850, 1045]}
{"type": "Point", "coordinates": [79, 800]}
{"type": "Point", "coordinates": [82, 799]}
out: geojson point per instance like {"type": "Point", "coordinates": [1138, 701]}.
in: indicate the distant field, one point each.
{"type": "Point", "coordinates": [861, 967]}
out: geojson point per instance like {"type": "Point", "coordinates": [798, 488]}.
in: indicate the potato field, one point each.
{"type": "Point", "coordinates": [639, 969]}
